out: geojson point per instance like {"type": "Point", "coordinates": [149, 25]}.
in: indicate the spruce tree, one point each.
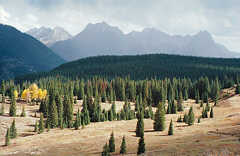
{"type": "Point", "coordinates": [12, 108]}
{"type": "Point", "coordinates": [140, 125]}
{"type": "Point", "coordinates": [141, 146]}
{"type": "Point", "coordinates": [2, 111]}
{"type": "Point", "coordinates": [197, 98]}
{"type": "Point", "coordinates": [191, 117]}
{"type": "Point", "coordinates": [23, 114]}
{"type": "Point", "coordinates": [123, 148]}
{"type": "Point", "coordinates": [112, 143]}
{"type": "Point", "coordinates": [41, 124]}
{"type": "Point", "coordinates": [36, 126]}
{"type": "Point", "coordinates": [211, 112]}
{"type": "Point", "coordinates": [180, 103]}
{"type": "Point", "coordinates": [185, 118]}
{"type": "Point", "coordinates": [106, 151]}
{"type": "Point", "coordinates": [170, 130]}
{"type": "Point", "coordinates": [7, 137]}
{"type": "Point", "coordinates": [199, 119]}
{"type": "Point", "coordinates": [13, 130]}
{"type": "Point", "coordinates": [53, 114]}
{"type": "Point", "coordinates": [159, 119]}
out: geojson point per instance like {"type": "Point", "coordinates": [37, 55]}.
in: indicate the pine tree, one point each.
{"type": "Point", "coordinates": [179, 103]}
{"type": "Point", "coordinates": [197, 98]}
{"type": "Point", "coordinates": [53, 114]}
{"type": "Point", "coordinates": [140, 125]}
{"type": "Point", "coordinates": [141, 146]}
{"type": "Point", "coordinates": [23, 114]}
{"type": "Point", "coordinates": [36, 127]}
{"type": "Point", "coordinates": [211, 112]}
{"type": "Point", "coordinates": [13, 130]}
{"type": "Point", "coordinates": [7, 137]}
{"type": "Point", "coordinates": [201, 104]}
{"type": "Point", "coordinates": [60, 112]}
{"type": "Point", "coordinates": [12, 108]}
{"type": "Point", "coordinates": [174, 108]}
{"type": "Point", "coordinates": [199, 119]}
{"type": "Point", "coordinates": [185, 118]}
{"type": "Point", "coordinates": [41, 124]}
{"type": "Point", "coordinates": [159, 119]}
{"type": "Point", "coordinates": [112, 143]}
{"type": "Point", "coordinates": [106, 151]}
{"type": "Point", "coordinates": [2, 111]}
{"type": "Point", "coordinates": [123, 147]}
{"type": "Point", "coordinates": [170, 130]}
{"type": "Point", "coordinates": [191, 117]}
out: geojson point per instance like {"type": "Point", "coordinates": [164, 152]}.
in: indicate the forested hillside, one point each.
{"type": "Point", "coordinates": [145, 67]}
{"type": "Point", "coordinates": [21, 54]}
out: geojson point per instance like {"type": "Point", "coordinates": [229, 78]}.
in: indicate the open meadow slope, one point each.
{"type": "Point", "coordinates": [213, 136]}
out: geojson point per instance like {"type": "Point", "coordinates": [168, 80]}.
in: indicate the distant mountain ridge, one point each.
{"type": "Point", "coordinates": [49, 36]}
{"type": "Point", "coordinates": [103, 39]}
{"type": "Point", "coordinates": [20, 54]}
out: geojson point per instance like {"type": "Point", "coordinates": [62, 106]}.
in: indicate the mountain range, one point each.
{"type": "Point", "coordinates": [103, 39]}
{"type": "Point", "coordinates": [20, 54]}
{"type": "Point", "coordinates": [49, 36]}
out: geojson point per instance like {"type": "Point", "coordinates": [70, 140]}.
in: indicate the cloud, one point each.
{"type": "Point", "coordinates": [171, 16]}
{"type": "Point", "coordinates": [4, 16]}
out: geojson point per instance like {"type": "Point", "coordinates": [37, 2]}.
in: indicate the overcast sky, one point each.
{"type": "Point", "coordinates": [220, 17]}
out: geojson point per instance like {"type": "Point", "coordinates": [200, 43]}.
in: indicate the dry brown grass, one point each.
{"type": "Point", "coordinates": [217, 136]}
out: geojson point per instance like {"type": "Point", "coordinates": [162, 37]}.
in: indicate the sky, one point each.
{"type": "Point", "coordinates": [219, 17]}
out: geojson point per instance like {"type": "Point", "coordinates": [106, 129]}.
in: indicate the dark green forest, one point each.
{"type": "Point", "coordinates": [140, 67]}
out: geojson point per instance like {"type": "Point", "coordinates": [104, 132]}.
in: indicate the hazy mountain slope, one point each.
{"type": "Point", "coordinates": [102, 39]}
{"type": "Point", "coordinates": [21, 54]}
{"type": "Point", "coordinates": [49, 36]}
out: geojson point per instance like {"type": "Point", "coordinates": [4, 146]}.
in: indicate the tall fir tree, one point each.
{"type": "Point", "coordinates": [211, 112]}
{"type": "Point", "coordinates": [123, 148]}
{"type": "Point", "coordinates": [180, 103]}
{"type": "Point", "coordinates": [13, 130]}
{"type": "Point", "coordinates": [159, 119]}
{"type": "Point", "coordinates": [112, 143]}
{"type": "Point", "coordinates": [141, 146]}
{"type": "Point", "coordinates": [2, 110]}
{"type": "Point", "coordinates": [140, 125]}
{"type": "Point", "coordinates": [170, 130]}
{"type": "Point", "coordinates": [7, 137]}
{"type": "Point", "coordinates": [41, 124]}
{"type": "Point", "coordinates": [23, 113]}
{"type": "Point", "coordinates": [12, 108]}
{"type": "Point", "coordinates": [191, 117]}
{"type": "Point", "coordinates": [106, 151]}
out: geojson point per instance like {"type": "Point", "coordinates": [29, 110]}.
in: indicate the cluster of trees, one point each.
{"type": "Point", "coordinates": [11, 133]}
{"type": "Point", "coordinates": [110, 146]}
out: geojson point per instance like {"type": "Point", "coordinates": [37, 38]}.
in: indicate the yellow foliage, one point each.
{"type": "Point", "coordinates": [33, 92]}
{"type": "Point", "coordinates": [25, 94]}
{"type": "Point", "coordinates": [15, 93]}
{"type": "Point", "coordinates": [33, 87]}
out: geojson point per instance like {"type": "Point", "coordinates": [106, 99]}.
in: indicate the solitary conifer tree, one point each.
{"type": "Point", "coordinates": [140, 126]}
{"type": "Point", "coordinates": [106, 151]}
{"type": "Point", "coordinates": [170, 130]}
{"type": "Point", "coordinates": [7, 137]}
{"type": "Point", "coordinates": [41, 124]}
{"type": "Point", "coordinates": [23, 114]}
{"type": "Point", "coordinates": [123, 146]}
{"type": "Point", "coordinates": [13, 130]}
{"type": "Point", "coordinates": [12, 108]}
{"type": "Point", "coordinates": [36, 127]}
{"type": "Point", "coordinates": [2, 109]}
{"type": "Point", "coordinates": [141, 146]}
{"type": "Point", "coordinates": [159, 119]}
{"type": "Point", "coordinates": [112, 143]}
{"type": "Point", "coordinates": [191, 117]}
{"type": "Point", "coordinates": [211, 112]}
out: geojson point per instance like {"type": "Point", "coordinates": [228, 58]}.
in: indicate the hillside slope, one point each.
{"type": "Point", "coordinates": [22, 54]}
